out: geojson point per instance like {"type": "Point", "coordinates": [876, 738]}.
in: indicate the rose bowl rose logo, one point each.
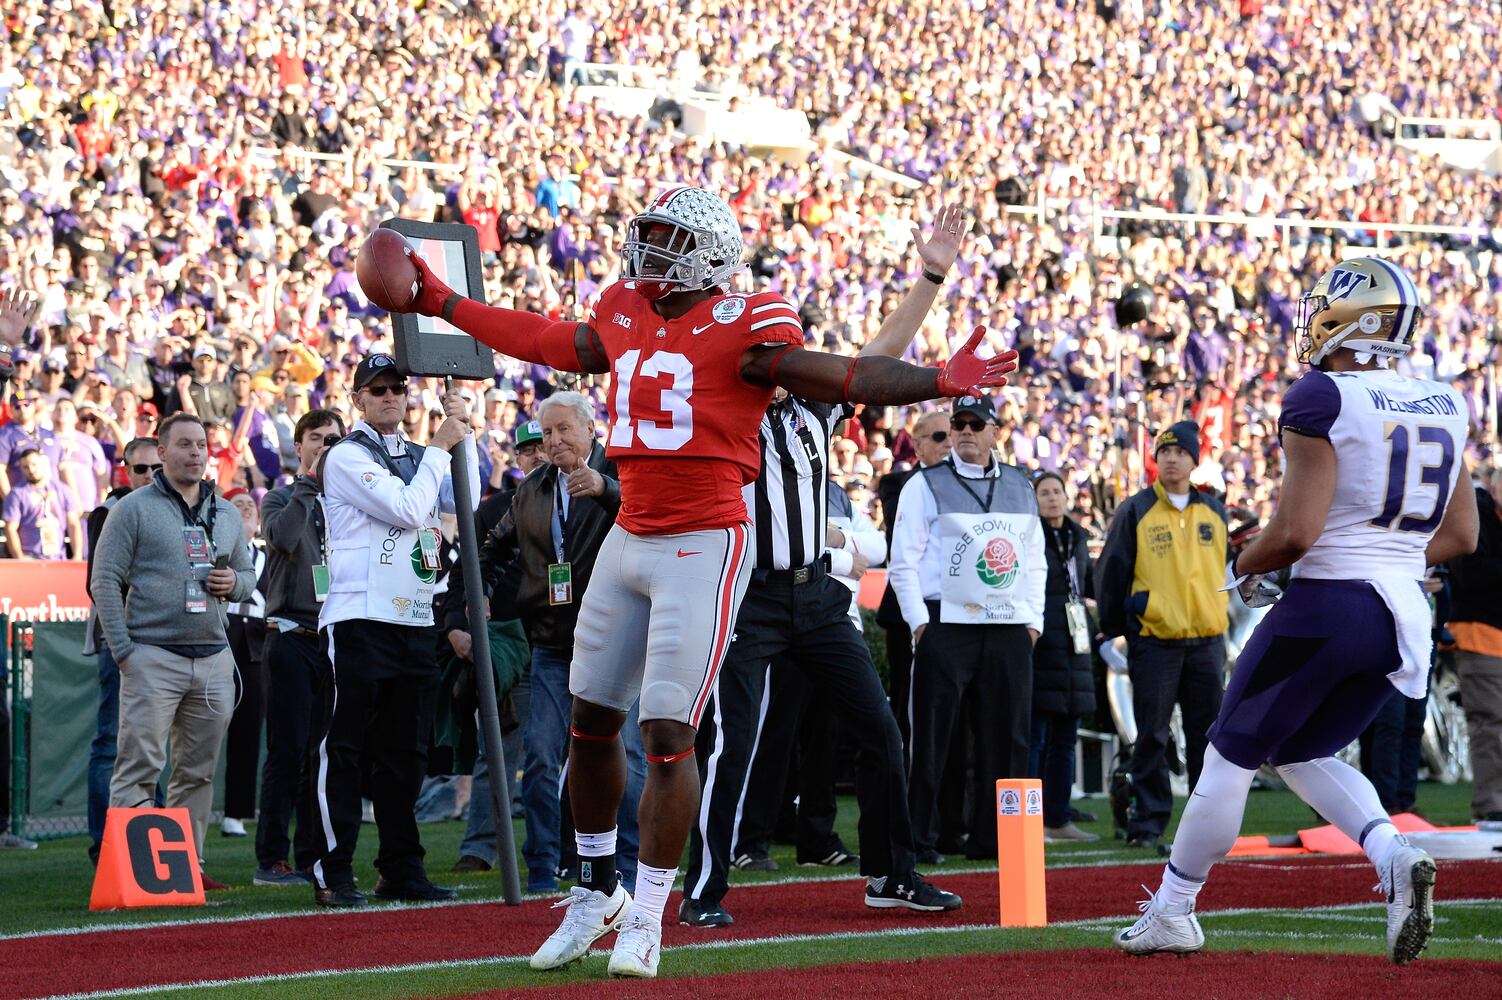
{"type": "Point", "coordinates": [997, 565]}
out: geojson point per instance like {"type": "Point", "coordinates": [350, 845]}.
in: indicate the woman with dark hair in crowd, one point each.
{"type": "Point", "coordinates": [1063, 688]}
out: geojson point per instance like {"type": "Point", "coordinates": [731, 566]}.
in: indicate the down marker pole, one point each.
{"type": "Point", "coordinates": [1019, 852]}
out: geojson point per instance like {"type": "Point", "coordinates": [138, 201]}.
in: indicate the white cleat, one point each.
{"type": "Point", "coordinates": [637, 948]}
{"type": "Point", "coordinates": [591, 915]}
{"type": "Point", "coordinates": [1162, 927]}
{"type": "Point", "coordinates": [1409, 884]}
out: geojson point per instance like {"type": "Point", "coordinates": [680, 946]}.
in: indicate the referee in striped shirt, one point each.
{"type": "Point", "coordinates": [796, 611]}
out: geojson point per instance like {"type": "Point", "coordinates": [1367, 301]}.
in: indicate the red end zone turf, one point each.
{"type": "Point", "coordinates": [1035, 975]}
{"type": "Point", "coordinates": [118, 959]}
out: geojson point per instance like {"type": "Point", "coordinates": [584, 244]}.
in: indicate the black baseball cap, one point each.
{"type": "Point", "coordinates": [373, 365]}
{"type": "Point", "coordinates": [976, 406]}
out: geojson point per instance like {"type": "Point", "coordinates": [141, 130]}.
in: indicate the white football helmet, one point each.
{"type": "Point", "coordinates": [702, 249]}
{"type": "Point", "coordinates": [1366, 304]}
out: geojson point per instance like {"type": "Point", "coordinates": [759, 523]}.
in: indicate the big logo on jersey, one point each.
{"type": "Point", "coordinates": [997, 565]}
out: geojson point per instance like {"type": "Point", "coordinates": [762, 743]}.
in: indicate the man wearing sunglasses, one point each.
{"type": "Point", "coordinates": [382, 496]}
{"type": "Point", "coordinates": [969, 569]}
{"type": "Point", "coordinates": [21, 435]}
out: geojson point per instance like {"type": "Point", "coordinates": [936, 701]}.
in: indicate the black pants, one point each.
{"type": "Point", "coordinates": [800, 737]}
{"type": "Point", "coordinates": [1163, 674]}
{"type": "Point", "coordinates": [900, 672]}
{"type": "Point", "coordinates": [297, 674]}
{"type": "Point", "coordinates": [384, 688]}
{"type": "Point", "coordinates": [1392, 749]}
{"type": "Point", "coordinates": [985, 672]}
{"type": "Point", "coordinates": [242, 742]}
{"type": "Point", "coordinates": [807, 623]}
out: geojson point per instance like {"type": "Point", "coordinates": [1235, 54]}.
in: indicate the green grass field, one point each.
{"type": "Point", "coordinates": [48, 889]}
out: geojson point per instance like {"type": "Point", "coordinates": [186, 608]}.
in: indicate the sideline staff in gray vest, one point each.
{"type": "Point", "coordinates": [382, 497]}
{"type": "Point", "coordinates": [969, 570]}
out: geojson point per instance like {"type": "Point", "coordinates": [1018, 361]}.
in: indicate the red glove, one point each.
{"type": "Point", "coordinates": [431, 293]}
{"type": "Point", "coordinates": [967, 375]}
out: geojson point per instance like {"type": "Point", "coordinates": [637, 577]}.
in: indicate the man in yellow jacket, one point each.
{"type": "Point", "coordinates": [1158, 583]}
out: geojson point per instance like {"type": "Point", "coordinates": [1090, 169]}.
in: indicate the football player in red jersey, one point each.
{"type": "Point", "coordinates": [692, 367]}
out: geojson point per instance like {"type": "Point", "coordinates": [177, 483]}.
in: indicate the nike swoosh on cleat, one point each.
{"type": "Point", "coordinates": [611, 919]}
{"type": "Point", "coordinates": [683, 555]}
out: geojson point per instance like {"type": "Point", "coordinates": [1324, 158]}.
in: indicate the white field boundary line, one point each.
{"type": "Point", "coordinates": [308, 912]}
{"type": "Point", "coordinates": [1095, 923]}
{"type": "Point", "coordinates": [1271, 863]}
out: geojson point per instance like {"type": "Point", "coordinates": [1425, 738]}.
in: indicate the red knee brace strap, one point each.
{"type": "Point", "coordinates": [653, 758]}
{"type": "Point", "coordinates": [591, 737]}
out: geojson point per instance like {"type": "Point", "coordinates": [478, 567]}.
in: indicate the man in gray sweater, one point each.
{"type": "Point", "coordinates": [177, 553]}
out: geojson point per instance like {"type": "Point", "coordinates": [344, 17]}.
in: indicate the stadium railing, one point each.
{"type": "Point", "coordinates": [1383, 231]}
{"type": "Point", "coordinates": [1408, 127]}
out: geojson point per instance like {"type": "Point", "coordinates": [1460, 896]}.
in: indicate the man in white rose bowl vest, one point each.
{"type": "Point", "coordinates": [968, 567]}
{"type": "Point", "coordinates": [382, 497]}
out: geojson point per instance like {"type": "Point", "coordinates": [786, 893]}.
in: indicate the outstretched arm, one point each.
{"type": "Point", "coordinates": [937, 255]}
{"type": "Point", "coordinates": [829, 378]}
{"type": "Point", "coordinates": [567, 346]}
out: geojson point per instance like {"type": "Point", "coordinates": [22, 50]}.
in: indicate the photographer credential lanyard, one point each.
{"type": "Point", "coordinates": [321, 567]}
{"type": "Point", "coordinates": [560, 573]}
{"type": "Point", "coordinates": [198, 545]}
{"type": "Point", "coordinates": [1074, 608]}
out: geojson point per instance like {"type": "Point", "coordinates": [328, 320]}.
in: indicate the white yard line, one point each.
{"type": "Point", "coordinates": [1091, 924]}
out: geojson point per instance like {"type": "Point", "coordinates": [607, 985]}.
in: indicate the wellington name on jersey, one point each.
{"type": "Point", "coordinates": [683, 423]}
{"type": "Point", "coordinates": [1399, 444]}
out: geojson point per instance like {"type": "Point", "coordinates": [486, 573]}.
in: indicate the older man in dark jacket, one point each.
{"type": "Point", "coordinates": [554, 530]}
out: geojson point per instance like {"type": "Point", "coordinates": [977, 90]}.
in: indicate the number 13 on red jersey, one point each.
{"type": "Point", "coordinates": [627, 431]}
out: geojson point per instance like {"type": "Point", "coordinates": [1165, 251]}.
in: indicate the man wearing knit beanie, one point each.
{"type": "Point", "coordinates": [1157, 583]}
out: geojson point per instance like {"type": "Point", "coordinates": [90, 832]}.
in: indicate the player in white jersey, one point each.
{"type": "Point", "coordinates": [1375, 489]}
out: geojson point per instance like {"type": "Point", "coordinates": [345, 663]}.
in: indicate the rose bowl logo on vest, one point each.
{"type": "Point", "coordinates": [997, 565]}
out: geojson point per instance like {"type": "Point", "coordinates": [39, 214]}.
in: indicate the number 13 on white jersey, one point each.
{"type": "Point", "coordinates": [626, 430]}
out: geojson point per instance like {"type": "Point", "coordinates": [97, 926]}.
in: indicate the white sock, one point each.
{"type": "Point", "coordinates": [595, 845]}
{"type": "Point", "coordinates": [1382, 838]}
{"type": "Point", "coordinates": [1210, 823]}
{"type": "Point", "coordinates": [1177, 893]}
{"type": "Point", "coordinates": [1345, 797]}
{"type": "Point", "coordinates": [652, 888]}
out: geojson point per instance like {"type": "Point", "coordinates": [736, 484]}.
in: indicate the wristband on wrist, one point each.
{"type": "Point", "coordinates": [933, 276]}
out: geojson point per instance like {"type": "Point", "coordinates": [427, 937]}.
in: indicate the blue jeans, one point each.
{"type": "Point", "coordinates": [1051, 757]}
{"type": "Point", "coordinates": [546, 747]}
{"type": "Point", "coordinates": [102, 750]}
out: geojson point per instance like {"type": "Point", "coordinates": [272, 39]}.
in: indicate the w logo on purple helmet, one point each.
{"type": "Point", "coordinates": [997, 565]}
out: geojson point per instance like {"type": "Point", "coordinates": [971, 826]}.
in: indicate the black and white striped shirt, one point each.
{"type": "Point", "coordinates": [787, 501]}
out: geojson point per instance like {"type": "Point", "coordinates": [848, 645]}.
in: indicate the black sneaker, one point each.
{"type": "Point", "coordinates": [838, 858]}
{"type": "Point", "coordinates": [417, 890]}
{"type": "Point", "coordinates": [912, 892]}
{"type": "Point", "coordinates": [929, 856]}
{"type": "Point", "coordinates": [754, 863]}
{"type": "Point", "coordinates": [341, 897]}
{"type": "Point", "coordinates": [1080, 816]}
{"type": "Point", "coordinates": [697, 913]}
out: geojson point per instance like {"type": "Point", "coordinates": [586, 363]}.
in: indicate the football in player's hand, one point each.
{"type": "Point", "coordinates": [386, 273]}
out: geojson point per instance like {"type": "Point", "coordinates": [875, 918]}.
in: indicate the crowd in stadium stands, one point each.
{"type": "Point", "coordinates": [155, 194]}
